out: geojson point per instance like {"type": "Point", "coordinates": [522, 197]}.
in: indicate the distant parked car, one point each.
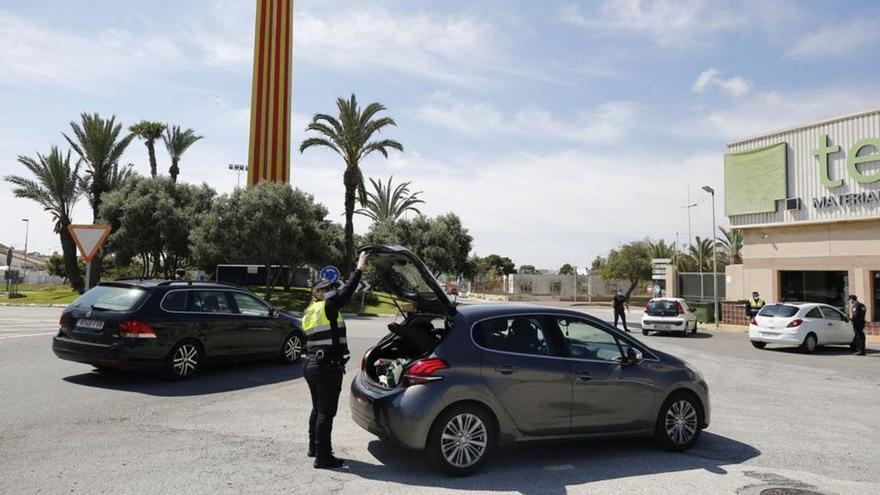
{"type": "Point", "coordinates": [669, 314]}
{"type": "Point", "coordinates": [805, 325]}
{"type": "Point", "coordinates": [457, 381]}
{"type": "Point", "coordinates": [174, 326]}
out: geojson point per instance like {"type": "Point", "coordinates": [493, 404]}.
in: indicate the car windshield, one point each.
{"type": "Point", "coordinates": [778, 311]}
{"type": "Point", "coordinates": [108, 297]}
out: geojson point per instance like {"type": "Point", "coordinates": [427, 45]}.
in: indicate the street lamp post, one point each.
{"type": "Point", "coordinates": [714, 257]}
{"type": "Point", "coordinates": [27, 228]}
{"type": "Point", "coordinates": [238, 169]}
{"type": "Point", "coordinates": [575, 285]}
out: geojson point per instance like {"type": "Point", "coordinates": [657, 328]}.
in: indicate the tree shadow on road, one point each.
{"type": "Point", "coordinates": [211, 380]}
{"type": "Point", "coordinates": [550, 468]}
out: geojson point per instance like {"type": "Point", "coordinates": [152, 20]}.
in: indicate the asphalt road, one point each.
{"type": "Point", "coordinates": [779, 419]}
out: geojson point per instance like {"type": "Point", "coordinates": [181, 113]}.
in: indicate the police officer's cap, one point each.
{"type": "Point", "coordinates": [324, 284]}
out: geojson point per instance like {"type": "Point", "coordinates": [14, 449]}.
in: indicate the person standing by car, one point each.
{"type": "Point", "coordinates": [327, 349]}
{"type": "Point", "coordinates": [619, 302]}
{"type": "Point", "coordinates": [858, 324]}
{"type": "Point", "coordinates": [754, 304]}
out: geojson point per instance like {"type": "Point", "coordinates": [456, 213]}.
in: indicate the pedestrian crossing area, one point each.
{"type": "Point", "coordinates": [14, 327]}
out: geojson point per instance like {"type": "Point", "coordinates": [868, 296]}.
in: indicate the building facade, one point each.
{"type": "Point", "coordinates": [807, 200]}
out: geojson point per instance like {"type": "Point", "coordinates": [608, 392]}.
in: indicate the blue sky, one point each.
{"type": "Point", "coordinates": [556, 130]}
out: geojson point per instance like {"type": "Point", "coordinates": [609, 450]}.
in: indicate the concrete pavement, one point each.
{"type": "Point", "coordinates": [779, 419]}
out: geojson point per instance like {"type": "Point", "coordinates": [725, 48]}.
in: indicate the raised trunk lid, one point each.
{"type": "Point", "coordinates": [401, 272]}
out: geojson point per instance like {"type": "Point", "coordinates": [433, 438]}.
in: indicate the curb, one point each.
{"type": "Point", "coordinates": [35, 305]}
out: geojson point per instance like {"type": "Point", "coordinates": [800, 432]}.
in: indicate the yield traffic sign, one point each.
{"type": "Point", "coordinates": [89, 239]}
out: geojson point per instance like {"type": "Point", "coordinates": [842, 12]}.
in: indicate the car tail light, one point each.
{"type": "Point", "coordinates": [753, 321]}
{"type": "Point", "coordinates": [680, 308]}
{"type": "Point", "coordinates": [136, 330]}
{"type": "Point", "coordinates": [422, 371]}
{"type": "Point", "coordinates": [646, 307]}
{"type": "Point", "coordinates": [62, 320]}
{"type": "Point", "coordinates": [795, 323]}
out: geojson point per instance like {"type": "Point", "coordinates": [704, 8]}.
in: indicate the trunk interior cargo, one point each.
{"type": "Point", "coordinates": [409, 341]}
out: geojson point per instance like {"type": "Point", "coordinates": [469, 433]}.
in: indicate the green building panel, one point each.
{"type": "Point", "coordinates": [755, 180]}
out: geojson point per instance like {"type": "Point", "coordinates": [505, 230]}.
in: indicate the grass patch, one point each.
{"type": "Point", "coordinates": [42, 294]}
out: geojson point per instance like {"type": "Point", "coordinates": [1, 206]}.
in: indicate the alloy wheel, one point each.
{"type": "Point", "coordinates": [681, 422]}
{"type": "Point", "coordinates": [293, 348]}
{"type": "Point", "coordinates": [185, 360]}
{"type": "Point", "coordinates": [464, 440]}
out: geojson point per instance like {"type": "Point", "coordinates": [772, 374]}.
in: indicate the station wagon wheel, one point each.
{"type": "Point", "coordinates": [293, 347]}
{"type": "Point", "coordinates": [679, 422]}
{"type": "Point", "coordinates": [184, 360]}
{"type": "Point", "coordinates": [462, 439]}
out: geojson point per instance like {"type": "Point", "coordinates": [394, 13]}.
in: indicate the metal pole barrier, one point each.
{"type": "Point", "coordinates": [88, 275]}
{"type": "Point", "coordinates": [714, 263]}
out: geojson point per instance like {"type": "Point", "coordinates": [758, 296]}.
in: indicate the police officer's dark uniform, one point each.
{"type": "Point", "coordinates": [619, 309]}
{"type": "Point", "coordinates": [858, 324]}
{"type": "Point", "coordinates": [327, 349]}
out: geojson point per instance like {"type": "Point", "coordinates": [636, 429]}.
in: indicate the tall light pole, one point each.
{"type": "Point", "coordinates": [238, 169]}
{"type": "Point", "coordinates": [575, 285]}
{"type": "Point", "coordinates": [27, 228]}
{"type": "Point", "coordinates": [714, 257]}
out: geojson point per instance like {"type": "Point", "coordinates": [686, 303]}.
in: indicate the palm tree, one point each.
{"type": "Point", "coordinates": [54, 187]}
{"type": "Point", "coordinates": [699, 255]}
{"type": "Point", "coordinates": [659, 249]}
{"type": "Point", "coordinates": [731, 245]}
{"type": "Point", "coordinates": [149, 132]}
{"type": "Point", "coordinates": [99, 146]}
{"type": "Point", "coordinates": [385, 203]}
{"type": "Point", "coordinates": [177, 142]}
{"type": "Point", "coordinates": [349, 135]}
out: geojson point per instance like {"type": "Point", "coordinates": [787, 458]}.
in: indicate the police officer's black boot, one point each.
{"type": "Point", "coordinates": [329, 462]}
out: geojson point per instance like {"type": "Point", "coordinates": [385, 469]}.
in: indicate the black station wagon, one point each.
{"type": "Point", "coordinates": [174, 326]}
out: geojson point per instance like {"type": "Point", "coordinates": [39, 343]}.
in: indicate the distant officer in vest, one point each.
{"type": "Point", "coordinates": [857, 313]}
{"type": "Point", "coordinates": [754, 304]}
{"type": "Point", "coordinates": [327, 349]}
{"type": "Point", "coordinates": [619, 301]}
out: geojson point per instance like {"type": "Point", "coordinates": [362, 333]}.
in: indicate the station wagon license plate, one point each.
{"type": "Point", "coordinates": [663, 326]}
{"type": "Point", "coordinates": [90, 325]}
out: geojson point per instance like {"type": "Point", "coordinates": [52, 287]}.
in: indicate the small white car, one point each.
{"type": "Point", "coordinates": [805, 325]}
{"type": "Point", "coordinates": [669, 314]}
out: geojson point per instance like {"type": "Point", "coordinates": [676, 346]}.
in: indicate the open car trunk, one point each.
{"type": "Point", "coordinates": [408, 342]}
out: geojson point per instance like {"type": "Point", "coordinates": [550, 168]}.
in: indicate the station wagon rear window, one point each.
{"type": "Point", "coordinates": [112, 298]}
{"type": "Point", "coordinates": [778, 310]}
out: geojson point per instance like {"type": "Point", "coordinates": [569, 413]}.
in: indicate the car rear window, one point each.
{"type": "Point", "coordinates": [663, 306]}
{"type": "Point", "coordinates": [113, 298]}
{"type": "Point", "coordinates": [778, 310]}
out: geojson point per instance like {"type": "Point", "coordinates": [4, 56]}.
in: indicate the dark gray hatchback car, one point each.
{"type": "Point", "coordinates": [456, 382]}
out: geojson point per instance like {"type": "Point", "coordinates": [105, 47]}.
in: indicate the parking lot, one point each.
{"type": "Point", "coordinates": [242, 428]}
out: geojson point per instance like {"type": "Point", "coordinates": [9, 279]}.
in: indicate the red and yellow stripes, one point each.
{"type": "Point", "coordinates": [269, 153]}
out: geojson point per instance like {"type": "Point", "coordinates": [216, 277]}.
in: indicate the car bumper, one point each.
{"type": "Point", "coordinates": [120, 355]}
{"type": "Point", "coordinates": [660, 324]}
{"type": "Point", "coordinates": [403, 415]}
{"type": "Point", "coordinates": [775, 335]}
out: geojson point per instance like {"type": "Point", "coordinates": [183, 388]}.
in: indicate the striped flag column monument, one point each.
{"type": "Point", "coordinates": [269, 152]}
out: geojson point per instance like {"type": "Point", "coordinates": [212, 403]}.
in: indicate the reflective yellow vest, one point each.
{"type": "Point", "coordinates": [319, 329]}
{"type": "Point", "coordinates": [756, 303]}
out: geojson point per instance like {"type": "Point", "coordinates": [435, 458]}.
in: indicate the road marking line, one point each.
{"type": "Point", "coordinates": [28, 335]}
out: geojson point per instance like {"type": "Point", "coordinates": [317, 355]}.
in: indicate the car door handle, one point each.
{"type": "Point", "coordinates": [505, 369]}
{"type": "Point", "coordinates": [582, 376]}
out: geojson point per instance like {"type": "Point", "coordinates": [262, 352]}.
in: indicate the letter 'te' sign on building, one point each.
{"type": "Point", "coordinates": [89, 239]}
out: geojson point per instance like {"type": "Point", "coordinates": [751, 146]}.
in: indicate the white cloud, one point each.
{"type": "Point", "coordinates": [607, 123]}
{"type": "Point", "coordinates": [667, 22]}
{"type": "Point", "coordinates": [767, 111]}
{"type": "Point", "coordinates": [838, 39]}
{"type": "Point", "coordinates": [34, 53]}
{"type": "Point", "coordinates": [735, 86]}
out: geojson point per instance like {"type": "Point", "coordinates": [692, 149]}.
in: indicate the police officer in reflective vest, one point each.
{"type": "Point", "coordinates": [327, 354]}
{"type": "Point", "coordinates": [754, 304]}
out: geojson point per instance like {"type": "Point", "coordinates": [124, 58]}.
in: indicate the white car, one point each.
{"type": "Point", "coordinates": [805, 325]}
{"type": "Point", "coordinates": [669, 314]}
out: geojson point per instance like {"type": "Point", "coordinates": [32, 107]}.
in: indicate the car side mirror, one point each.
{"type": "Point", "coordinates": [273, 313]}
{"type": "Point", "coordinates": [634, 356]}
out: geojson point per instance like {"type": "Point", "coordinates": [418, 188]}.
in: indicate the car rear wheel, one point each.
{"type": "Point", "coordinates": [645, 332]}
{"type": "Point", "coordinates": [679, 422]}
{"type": "Point", "coordinates": [184, 360]}
{"type": "Point", "coordinates": [810, 344]}
{"type": "Point", "coordinates": [292, 349]}
{"type": "Point", "coordinates": [758, 345]}
{"type": "Point", "coordinates": [462, 439]}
